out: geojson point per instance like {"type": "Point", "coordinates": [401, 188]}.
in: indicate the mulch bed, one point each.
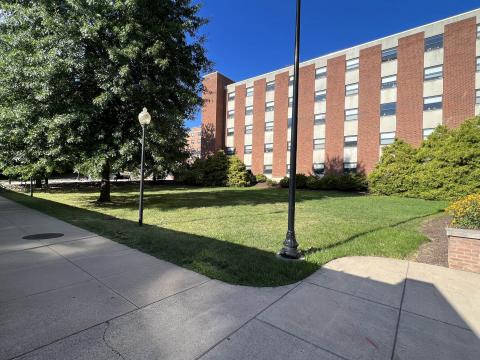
{"type": "Point", "coordinates": [434, 252]}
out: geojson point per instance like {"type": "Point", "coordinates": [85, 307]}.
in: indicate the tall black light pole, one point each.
{"type": "Point", "coordinates": [290, 244]}
{"type": "Point", "coordinates": [144, 118]}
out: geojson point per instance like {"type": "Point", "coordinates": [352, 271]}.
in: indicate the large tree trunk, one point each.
{"type": "Point", "coordinates": [46, 182]}
{"type": "Point", "coordinates": [105, 184]}
{"type": "Point", "coordinates": [38, 183]}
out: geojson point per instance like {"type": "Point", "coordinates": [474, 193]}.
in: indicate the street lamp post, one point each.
{"type": "Point", "coordinates": [290, 244]}
{"type": "Point", "coordinates": [144, 118]}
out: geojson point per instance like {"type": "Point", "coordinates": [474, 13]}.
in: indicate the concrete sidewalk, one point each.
{"type": "Point", "coordinates": [81, 296]}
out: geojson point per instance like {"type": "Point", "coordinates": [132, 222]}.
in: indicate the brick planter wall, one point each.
{"type": "Point", "coordinates": [464, 249]}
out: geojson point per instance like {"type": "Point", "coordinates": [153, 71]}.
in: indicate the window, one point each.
{"type": "Point", "coordinates": [351, 89]}
{"type": "Point", "coordinates": [352, 64]}
{"type": "Point", "coordinates": [350, 141]}
{"type": "Point", "coordinates": [267, 169]}
{"type": "Point", "coordinates": [349, 167]}
{"type": "Point", "coordinates": [250, 91]}
{"type": "Point", "coordinates": [289, 122]}
{"type": "Point", "coordinates": [230, 114]}
{"type": "Point", "coordinates": [270, 86]}
{"type": "Point", "coordinates": [321, 72]}
{"type": "Point", "coordinates": [248, 129]}
{"type": "Point", "coordinates": [247, 149]}
{"type": "Point", "coordinates": [230, 131]}
{"type": "Point", "coordinates": [433, 73]}
{"type": "Point", "coordinates": [319, 168]}
{"type": "Point", "coordinates": [432, 103]}
{"type": "Point", "coordinates": [249, 110]}
{"type": "Point", "coordinates": [231, 96]}
{"type": "Point", "coordinates": [268, 148]}
{"type": "Point", "coordinates": [478, 31]}
{"type": "Point", "coordinates": [389, 82]}
{"type": "Point", "coordinates": [288, 169]}
{"type": "Point", "coordinates": [230, 150]}
{"type": "Point", "coordinates": [388, 109]}
{"type": "Point", "coordinates": [319, 144]}
{"type": "Point", "coordinates": [319, 119]}
{"type": "Point", "coordinates": [290, 80]}
{"type": "Point", "coordinates": [478, 63]}
{"type": "Point", "coordinates": [269, 126]}
{"type": "Point", "coordinates": [269, 106]}
{"type": "Point", "coordinates": [387, 138]}
{"type": "Point", "coordinates": [427, 132]}
{"type": "Point", "coordinates": [389, 54]}
{"type": "Point", "coordinates": [477, 96]}
{"type": "Point", "coordinates": [434, 42]}
{"type": "Point", "coordinates": [351, 114]}
{"type": "Point", "coordinates": [248, 167]}
{"type": "Point", "coordinates": [289, 145]}
{"type": "Point", "coordinates": [290, 101]}
{"type": "Point", "coordinates": [321, 95]}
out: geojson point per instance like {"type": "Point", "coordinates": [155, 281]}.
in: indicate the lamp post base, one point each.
{"type": "Point", "coordinates": [289, 250]}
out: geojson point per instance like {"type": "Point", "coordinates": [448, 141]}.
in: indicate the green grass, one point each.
{"type": "Point", "coordinates": [233, 234]}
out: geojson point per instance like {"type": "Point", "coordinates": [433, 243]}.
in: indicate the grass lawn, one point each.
{"type": "Point", "coordinates": [233, 234]}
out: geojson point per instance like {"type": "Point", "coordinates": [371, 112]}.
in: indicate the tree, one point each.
{"type": "Point", "coordinates": [74, 74]}
{"type": "Point", "coordinates": [237, 174]}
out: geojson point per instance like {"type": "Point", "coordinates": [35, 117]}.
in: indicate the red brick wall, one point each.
{"type": "Point", "coordinates": [306, 90]}
{"type": "Point", "coordinates": [464, 254]}
{"type": "Point", "coordinates": [280, 125]}
{"type": "Point", "coordinates": [459, 72]}
{"type": "Point", "coordinates": [410, 88]}
{"type": "Point", "coordinates": [214, 112]}
{"type": "Point", "coordinates": [335, 115]}
{"type": "Point", "coordinates": [258, 137]}
{"type": "Point", "coordinates": [369, 108]}
{"type": "Point", "coordinates": [239, 125]}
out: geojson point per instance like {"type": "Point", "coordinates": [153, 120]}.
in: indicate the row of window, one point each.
{"type": "Point", "coordinates": [387, 82]}
{"type": "Point", "coordinates": [319, 144]}
{"type": "Point", "coordinates": [387, 109]}
{"type": "Point", "coordinates": [430, 43]}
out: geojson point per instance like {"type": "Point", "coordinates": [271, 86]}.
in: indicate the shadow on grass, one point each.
{"type": "Point", "coordinates": [126, 197]}
{"type": "Point", "coordinates": [212, 257]}
{"type": "Point", "coordinates": [229, 262]}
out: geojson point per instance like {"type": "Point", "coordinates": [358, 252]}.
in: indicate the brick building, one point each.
{"type": "Point", "coordinates": [195, 141]}
{"type": "Point", "coordinates": [352, 102]}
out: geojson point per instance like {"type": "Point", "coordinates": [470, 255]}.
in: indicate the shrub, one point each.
{"type": "Point", "coordinates": [215, 169]}
{"type": "Point", "coordinates": [301, 181]}
{"type": "Point", "coordinates": [329, 182]}
{"type": "Point", "coordinates": [237, 174]}
{"type": "Point", "coordinates": [261, 178]}
{"type": "Point", "coordinates": [466, 212]}
{"type": "Point", "coordinates": [271, 182]}
{"type": "Point", "coordinates": [314, 183]}
{"type": "Point", "coordinates": [446, 166]}
{"type": "Point", "coordinates": [284, 183]}
{"type": "Point", "coordinates": [351, 182]}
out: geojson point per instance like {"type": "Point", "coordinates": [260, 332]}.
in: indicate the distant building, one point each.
{"type": "Point", "coordinates": [195, 141]}
{"type": "Point", "coordinates": [352, 102]}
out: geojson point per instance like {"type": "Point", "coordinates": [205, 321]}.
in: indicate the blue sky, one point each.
{"type": "Point", "coordinates": [250, 37]}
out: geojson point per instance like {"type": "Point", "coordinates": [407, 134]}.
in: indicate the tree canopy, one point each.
{"type": "Point", "coordinates": [74, 74]}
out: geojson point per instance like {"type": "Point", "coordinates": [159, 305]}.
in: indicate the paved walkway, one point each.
{"type": "Point", "coordinates": [81, 296]}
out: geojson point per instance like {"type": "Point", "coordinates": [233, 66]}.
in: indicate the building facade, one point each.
{"type": "Point", "coordinates": [194, 141]}
{"type": "Point", "coordinates": [352, 102]}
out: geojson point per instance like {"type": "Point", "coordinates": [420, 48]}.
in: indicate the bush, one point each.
{"type": "Point", "coordinates": [314, 183]}
{"type": "Point", "coordinates": [466, 212]}
{"type": "Point", "coordinates": [237, 174]}
{"type": "Point", "coordinates": [260, 178]}
{"type": "Point", "coordinates": [284, 183]}
{"type": "Point", "coordinates": [301, 181]}
{"type": "Point", "coordinates": [446, 166]}
{"type": "Point", "coordinates": [271, 182]}
{"type": "Point", "coordinates": [215, 170]}
{"type": "Point", "coordinates": [351, 182]}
